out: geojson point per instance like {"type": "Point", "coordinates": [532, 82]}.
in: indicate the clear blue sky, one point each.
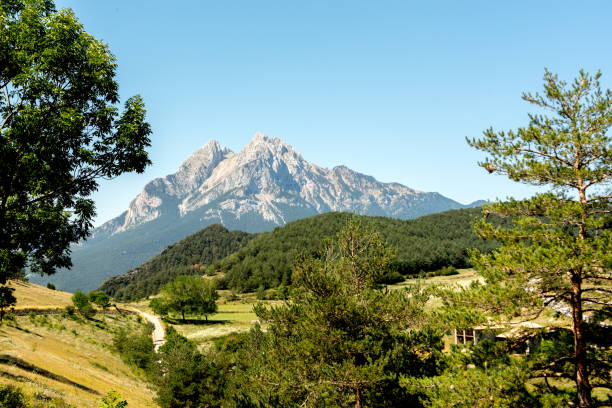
{"type": "Point", "coordinates": [387, 88]}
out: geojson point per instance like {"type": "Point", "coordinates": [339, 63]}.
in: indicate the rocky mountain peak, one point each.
{"type": "Point", "coordinates": [262, 142]}
{"type": "Point", "coordinates": [267, 152]}
{"type": "Point", "coordinates": [269, 183]}
{"type": "Point", "coordinates": [207, 156]}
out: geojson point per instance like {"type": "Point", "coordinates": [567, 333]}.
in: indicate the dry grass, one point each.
{"type": "Point", "coordinates": [463, 278]}
{"type": "Point", "coordinates": [72, 348]}
{"type": "Point", "coordinates": [30, 295]}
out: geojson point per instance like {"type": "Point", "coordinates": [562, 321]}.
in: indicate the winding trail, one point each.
{"type": "Point", "coordinates": [159, 335]}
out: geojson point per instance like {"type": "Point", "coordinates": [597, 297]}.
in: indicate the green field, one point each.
{"type": "Point", "coordinates": [231, 318]}
{"type": "Point", "coordinates": [237, 316]}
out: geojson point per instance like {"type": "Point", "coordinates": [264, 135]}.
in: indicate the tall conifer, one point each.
{"type": "Point", "coordinates": [558, 252]}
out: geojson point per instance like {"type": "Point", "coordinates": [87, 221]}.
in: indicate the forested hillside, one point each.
{"type": "Point", "coordinates": [424, 244]}
{"type": "Point", "coordinates": [189, 256]}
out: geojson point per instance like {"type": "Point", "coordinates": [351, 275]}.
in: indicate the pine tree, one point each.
{"type": "Point", "coordinates": [343, 340]}
{"type": "Point", "coordinates": [558, 252]}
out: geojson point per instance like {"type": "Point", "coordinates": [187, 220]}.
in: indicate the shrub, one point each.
{"type": "Point", "coordinates": [11, 397]}
{"type": "Point", "coordinates": [232, 296]}
{"type": "Point", "coordinates": [282, 293]}
{"type": "Point", "coordinates": [7, 300]}
{"type": "Point", "coordinates": [81, 302]}
{"type": "Point", "coordinates": [50, 286]}
{"type": "Point", "coordinates": [135, 348]}
{"type": "Point", "coordinates": [100, 298]}
{"type": "Point", "coordinates": [446, 271]}
{"type": "Point", "coordinates": [260, 293]}
{"type": "Point", "coordinates": [392, 277]}
{"type": "Point", "coordinates": [113, 400]}
{"type": "Point", "coordinates": [69, 311]}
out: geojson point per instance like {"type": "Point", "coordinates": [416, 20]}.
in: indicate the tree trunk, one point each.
{"type": "Point", "coordinates": [183, 314]}
{"type": "Point", "coordinates": [583, 387]}
{"type": "Point", "coordinates": [582, 378]}
{"type": "Point", "coordinates": [357, 398]}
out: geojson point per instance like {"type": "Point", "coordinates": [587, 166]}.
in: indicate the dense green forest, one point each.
{"type": "Point", "coordinates": [189, 256]}
{"type": "Point", "coordinates": [425, 244]}
{"type": "Point", "coordinates": [247, 262]}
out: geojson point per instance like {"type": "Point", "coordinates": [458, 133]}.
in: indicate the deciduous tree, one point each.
{"type": "Point", "coordinates": [190, 294]}
{"type": "Point", "coordinates": [99, 298]}
{"type": "Point", "coordinates": [60, 131]}
{"type": "Point", "coordinates": [81, 302]}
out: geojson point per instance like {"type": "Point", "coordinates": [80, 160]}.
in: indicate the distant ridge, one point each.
{"type": "Point", "coordinates": [266, 260]}
{"type": "Point", "coordinates": [265, 185]}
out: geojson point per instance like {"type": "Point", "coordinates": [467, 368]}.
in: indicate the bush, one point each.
{"type": "Point", "coordinates": [260, 293]}
{"type": "Point", "coordinates": [50, 286]}
{"type": "Point", "coordinates": [391, 277]}
{"type": "Point", "coordinates": [11, 397]}
{"type": "Point", "coordinates": [446, 271]}
{"type": "Point", "coordinates": [282, 293]}
{"type": "Point", "coordinates": [232, 296]}
{"type": "Point", "coordinates": [113, 400]}
{"type": "Point", "coordinates": [135, 349]}
{"type": "Point", "coordinates": [81, 302]}
{"type": "Point", "coordinates": [69, 311]}
{"type": "Point", "coordinates": [7, 300]}
{"type": "Point", "coordinates": [100, 298]}
{"type": "Point", "coordinates": [190, 379]}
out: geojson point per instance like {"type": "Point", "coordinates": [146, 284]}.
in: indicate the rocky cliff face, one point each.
{"type": "Point", "coordinates": [270, 180]}
{"type": "Point", "coordinates": [266, 184]}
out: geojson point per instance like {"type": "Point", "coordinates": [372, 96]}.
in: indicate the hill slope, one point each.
{"type": "Point", "coordinates": [424, 244]}
{"type": "Point", "coordinates": [265, 185]}
{"type": "Point", "coordinates": [188, 256]}
{"type": "Point", "coordinates": [427, 243]}
{"type": "Point", "coordinates": [60, 357]}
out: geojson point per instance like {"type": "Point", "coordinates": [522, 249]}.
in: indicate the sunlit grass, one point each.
{"type": "Point", "coordinates": [76, 349]}
{"type": "Point", "coordinates": [30, 295]}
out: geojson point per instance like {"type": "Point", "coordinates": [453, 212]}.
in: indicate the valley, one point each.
{"type": "Point", "coordinates": [238, 273]}
{"type": "Point", "coordinates": [60, 358]}
{"type": "Point", "coordinates": [235, 313]}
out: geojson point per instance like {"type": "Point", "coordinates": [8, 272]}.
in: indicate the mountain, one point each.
{"type": "Point", "coordinates": [265, 185]}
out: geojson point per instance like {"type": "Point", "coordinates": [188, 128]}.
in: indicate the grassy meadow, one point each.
{"type": "Point", "coordinates": [65, 358]}
{"type": "Point", "coordinates": [31, 296]}
{"type": "Point", "coordinates": [237, 315]}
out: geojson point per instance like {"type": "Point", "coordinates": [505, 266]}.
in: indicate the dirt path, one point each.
{"type": "Point", "coordinates": [159, 335]}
